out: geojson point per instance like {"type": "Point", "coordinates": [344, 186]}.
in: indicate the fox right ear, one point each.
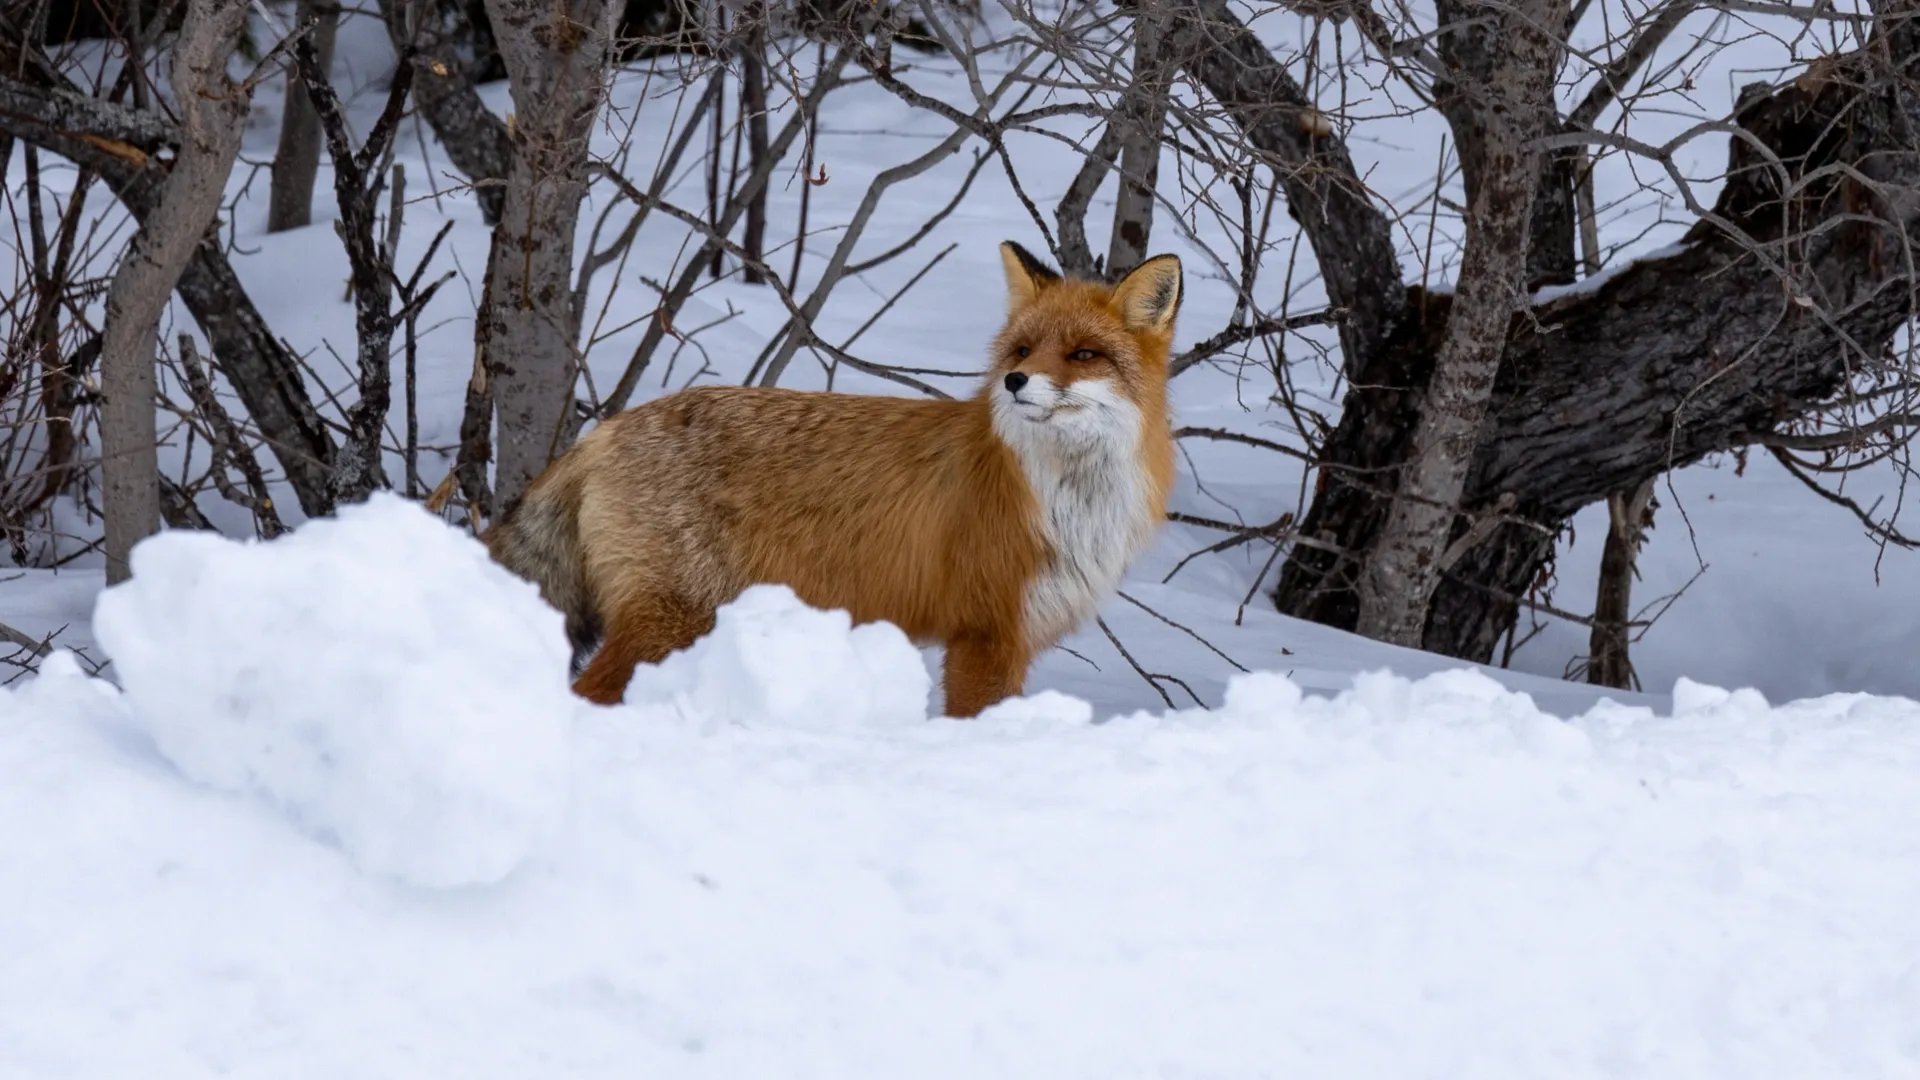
{"type": "Point", "coordinates": [1026, 275]}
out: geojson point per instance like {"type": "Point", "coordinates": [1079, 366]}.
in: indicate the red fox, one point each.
{"type": "Point", "coordinates": [992, 525]}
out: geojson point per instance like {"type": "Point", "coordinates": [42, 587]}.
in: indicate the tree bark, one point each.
{"type": "Point", "coordinates": [1075, 254]}
{"type": "Point", "coordinates": [213, 113]}
{"type": "Point", "coordinates": [753, 111]}
{"type": "Point", "coordinates": [1472, 46]}
{"type": "Point", "coordinates": [296, 162]}
{"type": "Point", "coordinates": [556, 56]}
{"type": "Point", "coordinates": [1143, 114]}
{"type": "Point", "coordinates": [475, 139]}
{"type": "Point", "coordinates": [1351, 237]}
{"type": "Point", "coordinates": [1404, 565]}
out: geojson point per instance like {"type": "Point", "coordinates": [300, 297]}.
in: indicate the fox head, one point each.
{"type": "Point", "coordinates": [1082, 359]}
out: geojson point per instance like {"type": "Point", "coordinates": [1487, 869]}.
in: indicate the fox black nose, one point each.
{"type": "Point", "coordinates": [1016, 380]}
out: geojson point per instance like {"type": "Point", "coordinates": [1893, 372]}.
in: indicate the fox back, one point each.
{"type": "Point", "coordinates": [991, 525]}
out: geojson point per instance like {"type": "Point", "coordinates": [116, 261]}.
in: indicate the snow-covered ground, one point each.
{"type": "Point", "coordinates": [336, 814]}
{"type": "Point", "coordinates": [345, 820]}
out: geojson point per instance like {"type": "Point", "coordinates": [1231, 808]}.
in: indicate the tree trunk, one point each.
{"type": "Point", "coordinates": [1607, 659]}
{"type": "Point", "coordinates": [296, 162]}
{"type": "Point", "coordinates": [1352, 239]}
{"type": "Point", "coordinates": [753, 110]}
{"type": "Point", "coordinates": [1075, 254]}
{"type": "Point", "coordinates": [556, 57]}
{"type": "Point", "coordinates": [1143, 114]}
{"type": "Point", "coordinates": [1404, 565]}
{"type": "Point", "coordinates": [1473, 46]}
{"type": "Point", "coordinates": [475, 139]}
{"type": "Point", "coordinates": [214, 113]}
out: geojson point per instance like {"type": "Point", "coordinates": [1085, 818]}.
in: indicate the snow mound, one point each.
{"type": "Point", "coordinates": [375, 676]}
{"type": "Point", "coordinates": [770, 864]}
{"type": "Point", "coordinates": [772, 660]}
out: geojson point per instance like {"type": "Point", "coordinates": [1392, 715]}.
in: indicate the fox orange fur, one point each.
{"type": "Point", "coordinates": [992, 525]}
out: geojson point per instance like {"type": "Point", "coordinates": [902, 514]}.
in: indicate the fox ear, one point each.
{"type": "Point", "coordinates": [1149, 297]}
{"type": "Point", "coordinates": [1026, 275]}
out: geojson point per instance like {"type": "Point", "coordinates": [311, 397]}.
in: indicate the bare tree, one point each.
{"type": "Point", "coordinates": [1788, 291]}
{"type": "Point", "coordinates": [1510, 80]}
{"type": "Point", "coordinates": [214, 112]}
{"type": "Point", "coordinates": [128, 149]}
{"type": "Point", "coordinates": [296, 162]}
{"type": "Point", "coordinates": [358, 470]}
{"type": "Point", "coordinates": [556, 57]}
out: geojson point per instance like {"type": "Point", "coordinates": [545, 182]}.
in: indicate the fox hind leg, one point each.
{"type": "Point", "coordinates": [642, 630]}
{"type": "Point", "coordinates": [983, 670]}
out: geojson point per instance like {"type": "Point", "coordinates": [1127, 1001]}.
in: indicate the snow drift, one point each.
{"type": "Point", "coordinates": [376, 676]}
{"type": "Point", "coordinates": [344, 819]}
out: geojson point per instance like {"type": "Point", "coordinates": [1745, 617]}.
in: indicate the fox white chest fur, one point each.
{"type": "Point", "coordinates": [1079, 448]}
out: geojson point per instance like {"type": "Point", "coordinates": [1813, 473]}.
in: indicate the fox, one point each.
{"type": "Point", "coordinates": [991, 525]}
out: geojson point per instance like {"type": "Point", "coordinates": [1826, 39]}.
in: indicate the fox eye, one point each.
{"type": "Point", "coordinates": [1023, 352]}
{"type": "Point", "coordinates": [1083, 355]}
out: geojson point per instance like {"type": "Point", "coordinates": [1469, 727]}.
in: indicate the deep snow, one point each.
{"type": "Point", "coordinates": [776, 865]}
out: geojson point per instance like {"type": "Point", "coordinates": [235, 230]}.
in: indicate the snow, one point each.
{"type": "Point", "coordinates": [320, 680]}
{"type": "Point", "coordinates": [783, 867]}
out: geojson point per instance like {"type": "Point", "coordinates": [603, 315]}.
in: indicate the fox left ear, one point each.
{"type": "Point", "coordinates": [1149, 297]}
{"type": "Point", "coordinates": [1026, 274]}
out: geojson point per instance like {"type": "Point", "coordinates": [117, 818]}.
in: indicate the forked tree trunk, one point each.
{"type": "Point", "coordinates": [296, 162]}
{"type": "Point", "coordinates": [1076, 254]}
{"type": "Point", "coordinates": [1403, 566]}
{"type": "Point", "coordinates": [213, 113]}
{"type": "Point", "coordinates": [556, 56]}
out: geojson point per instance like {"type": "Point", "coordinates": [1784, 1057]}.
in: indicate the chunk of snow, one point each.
{"type": "Point", "coordinates": [375, 676]}
{"type": "Point", "coordinates": [773, 660]}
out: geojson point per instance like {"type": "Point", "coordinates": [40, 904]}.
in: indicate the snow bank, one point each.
{"type": "Point", "coordinates": [375, 676]}
{"type": "Point", "coordinates": [770, 866]}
